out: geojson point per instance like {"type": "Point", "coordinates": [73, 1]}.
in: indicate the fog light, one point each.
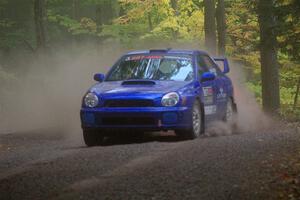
{"type": "Point", "coordinates": [170, 118]}
{"type": "Point", "coordinates": [88, 118]}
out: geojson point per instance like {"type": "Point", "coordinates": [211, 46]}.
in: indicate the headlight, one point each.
{"type": "Point", "coordinates": [170, 99]}
{"type": "Point", "coordinates": [91, 100]}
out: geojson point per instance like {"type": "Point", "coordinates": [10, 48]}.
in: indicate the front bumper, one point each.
{"type": "Point", "coordinates": [147, 118]}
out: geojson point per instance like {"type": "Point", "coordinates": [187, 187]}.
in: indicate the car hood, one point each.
{"type": "Point", "coordinates": [116, 88]}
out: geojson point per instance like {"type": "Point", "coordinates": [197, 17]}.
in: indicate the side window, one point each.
{"type": "Point", "coordinates": [209, 64]}
{"type": "Point", "coordinates": [202, 67]}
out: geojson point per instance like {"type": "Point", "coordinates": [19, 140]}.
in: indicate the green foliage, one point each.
{"type": "Point", "coordinates": [256, 89]}
{"type": "Point", "coordinates": [126, 33]}
{"type": "Point", "coordinates": [157, 20]}
{"type": "Point", "coordinates": [288, 27]}
{"type": "Point", "coordinates": [84, 26]}
{"type": "Point", "coordinates": [6, 79]}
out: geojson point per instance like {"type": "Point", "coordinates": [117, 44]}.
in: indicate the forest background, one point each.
{"type": "Point", "coordinates": [32, 31]}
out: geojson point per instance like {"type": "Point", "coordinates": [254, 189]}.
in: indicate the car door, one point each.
{"type": "Point", "coordinates": [208, 88]}
{"type": "Point", "coordinates": [214, 92]}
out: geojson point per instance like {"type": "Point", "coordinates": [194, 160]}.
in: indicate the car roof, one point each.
{"type": "Point", "coordinates": [167, 51]}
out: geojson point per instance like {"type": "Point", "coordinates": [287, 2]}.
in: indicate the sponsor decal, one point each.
{"type": "Point", "coordinates": [177, 57]}
{"type": "Point", "coordinates": [208, 100]}
{"type": "Point", "coordinates": [221, 94]}
{"type": "Point", "coordinates": [208, 95]}
{"type": "Point", "coordinates": [208, 91]}
{"type": "Point", "coordinates": [152, 57]}
{"type": "Point", "coordinates": [210, 110]}
{"type": "Point", "coordinates": [141, 57]}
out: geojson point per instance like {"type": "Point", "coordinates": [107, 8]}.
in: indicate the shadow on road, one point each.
{"type": "Point", "coordinates": [168, 137]}
{"type": "Point", "coordinates": [142, 138]}
{"type": "Point", "coordinates": [127, 139]}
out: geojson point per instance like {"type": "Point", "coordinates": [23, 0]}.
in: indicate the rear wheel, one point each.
{"type": "Point", "coordinates": [92, 138]}
{"type": "Point", "coordinates": [197, 124]}
{"type": "Point", "coordinates": [231, 114]}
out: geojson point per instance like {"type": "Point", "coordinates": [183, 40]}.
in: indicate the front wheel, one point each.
{"type": "Point", "coordinates": [92, 138]}
{"type": "Point", "coordinates": [197, 124]}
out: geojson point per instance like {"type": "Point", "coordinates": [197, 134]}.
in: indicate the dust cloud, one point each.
{"type": "Point", "coordinates": [48, 94]}
{"type": "Point", "coordinates": [250, 116]}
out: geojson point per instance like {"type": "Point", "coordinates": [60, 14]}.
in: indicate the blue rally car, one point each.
{"type": "Point", "coordinates": [155, 90]}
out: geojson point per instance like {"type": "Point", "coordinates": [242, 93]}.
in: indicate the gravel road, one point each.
{"type": "Point", "coordinates": [45, 166]}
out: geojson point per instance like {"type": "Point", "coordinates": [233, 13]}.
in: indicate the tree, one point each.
{"type": "Point", "coordinates": [75, 9]}
{"type": "Point", "coordinates": [105, 11]}
{"type": "Point", "coordinates": [150, 21]}
{"type": "Point", "coordinates": [174, 6]}
{"type": "Point", "coordinates": [221, 26]}
{"type": "Point", "coordinates": [210, 25]}
{"type": "Point", "coordinates": [268, 53]}
{"type": "Point", "coordinates": [288, 18]}
{"type": "Point", "coordinates": [39, 19]}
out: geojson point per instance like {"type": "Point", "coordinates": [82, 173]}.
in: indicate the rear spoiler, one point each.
{"type": "Point", "coordinates": [225, 64]}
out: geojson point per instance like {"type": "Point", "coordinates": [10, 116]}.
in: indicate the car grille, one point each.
{"type": "Point", "coordinates": [129, 103]}
{"type": "Point", "coordinates": [123, 121]}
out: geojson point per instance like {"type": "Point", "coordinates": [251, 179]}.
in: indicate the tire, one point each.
{"type": "Point", "coordinates": [197, 124]}
{"type": "Point", "coordinates": [231, 115]}
{"type": "Point", "coordinates": [92, 138]}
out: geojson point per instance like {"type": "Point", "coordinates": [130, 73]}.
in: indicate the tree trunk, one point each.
{"type": "Point", "coordinates": [150, 21]}
{"type": "Point", "coordinates": [210, 25]}
{"type": "Point", "coordinates": [296, 95]}
{"type": "Point", "coordinates": [268, 53]}
{"type": "Point", "coordinates": [75, 16]}
{"type": "Point", "coordinates": [75, 9]}
{"type": "Point", "coordinates": [221, 27]}
{"type": "Point", "coordinates": [105, 12]}
{"type": "Point", "coordinates": [174, 5]}
{"type": "Point", "coordinates": [39, 19]}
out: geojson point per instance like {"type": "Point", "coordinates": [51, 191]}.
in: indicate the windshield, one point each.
{"type": "Point", "coordinates": [153, 67]}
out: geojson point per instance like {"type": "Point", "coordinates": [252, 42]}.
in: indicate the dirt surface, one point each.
{"type": "Point", "coordinates": [238, 166]}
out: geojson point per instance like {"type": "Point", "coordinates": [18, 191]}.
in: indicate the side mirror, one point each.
{"type": "Point", "coordinates": [208, 76]}
{"type": "Point", "coordinates": [99, 77]}
{"type": "Point", "coordinates": [224, 63]}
